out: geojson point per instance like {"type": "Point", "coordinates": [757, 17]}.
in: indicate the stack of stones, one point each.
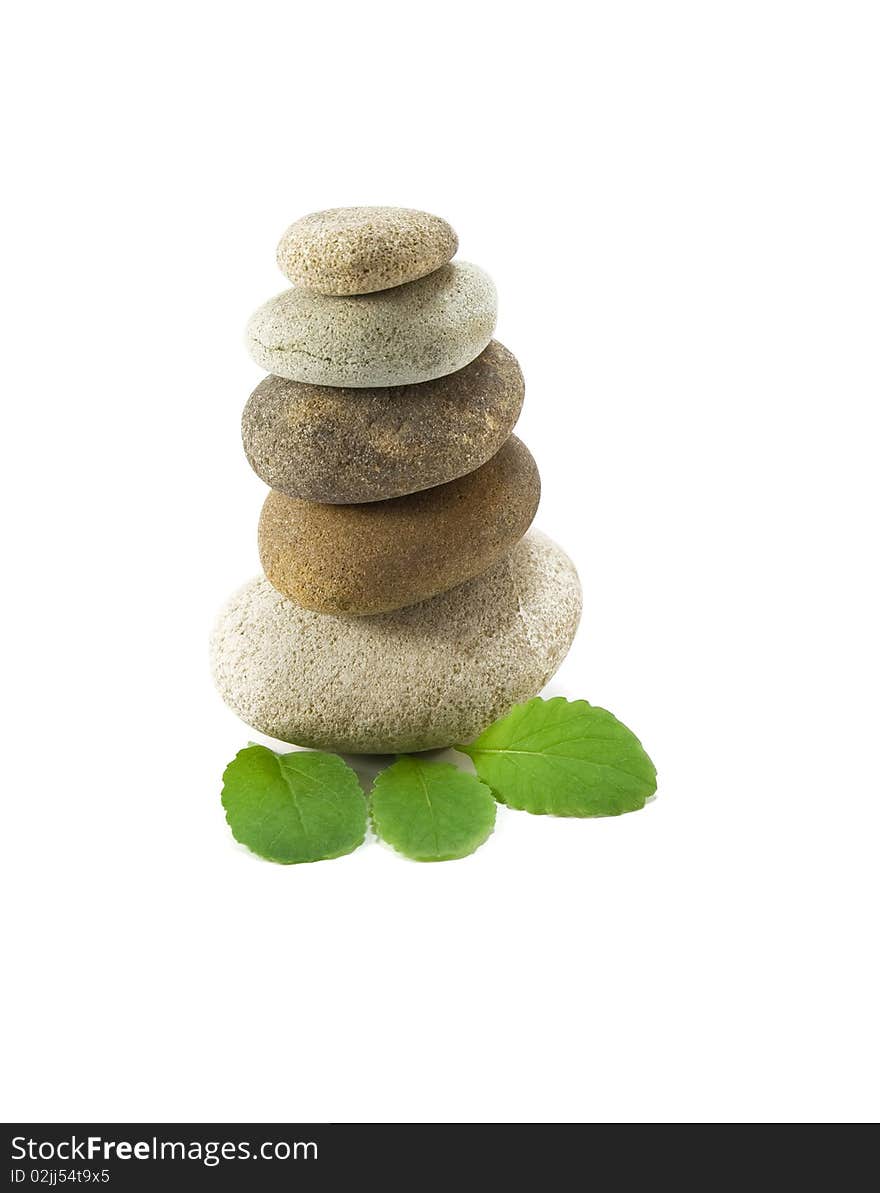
{"type": "Point", "coordinates": [404, 605]}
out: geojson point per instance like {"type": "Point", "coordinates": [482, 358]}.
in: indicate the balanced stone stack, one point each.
{"type": "Point", "coordinates": [404, 605]}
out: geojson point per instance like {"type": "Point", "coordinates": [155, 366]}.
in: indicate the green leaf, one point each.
{"type": "Point", "coordinates": [299, 807]}
{"type": "Point", "coordinates": [431, 811]}
{"type": "Point", "coordinates": [564, 758]}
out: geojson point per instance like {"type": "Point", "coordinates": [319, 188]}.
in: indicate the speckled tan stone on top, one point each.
{"type": "Point", "coordinates": [327, 444]}
{"type": "Point", "coordinates": [358, 250]}
{"type": "Point", "coordinates": [362, 559]}
{"type": "Point", "coordinates": [435, 674]}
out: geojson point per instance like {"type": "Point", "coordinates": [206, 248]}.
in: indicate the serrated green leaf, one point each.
{"type": "Point", "coordinates": [304, 806]}
{"type": "Point", "coordinates": [431, 811]}
{"type": "Point", "coordinates": [563, 758]}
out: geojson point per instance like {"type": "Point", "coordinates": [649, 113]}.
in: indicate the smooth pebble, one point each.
{"type": "Point", "coordinates": [335, 445]}
{"type": "Point", "coordinates": [435, 674]}
{"type": "Point", "coordinates": [383, 555]}
{"type": "Point", "coordinates": [413, 333]}
{"type": "Point", "coordinates": [357, 250]}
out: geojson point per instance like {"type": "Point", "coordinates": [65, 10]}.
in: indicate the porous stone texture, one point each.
{"type": "Point", "coordinates": [383, 555]}
{"type": "Point", "coordinates": [335, 445]}
{"type": "Point", "coordinates": [416, 332]}
{"type": "Point", "coordinates": [435, 674]}
{"type": "Point", "coordinates": [357, 250]}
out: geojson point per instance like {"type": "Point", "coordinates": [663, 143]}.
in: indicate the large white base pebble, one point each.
{"type": "Point", "coordinates": [434, 674]}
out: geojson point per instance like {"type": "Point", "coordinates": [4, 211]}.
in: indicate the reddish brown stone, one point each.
{"type": "Point", "coordinates": [384, 555]}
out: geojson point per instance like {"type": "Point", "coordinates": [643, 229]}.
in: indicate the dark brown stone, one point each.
{"type": "Point", "coordinates": [324, 443]}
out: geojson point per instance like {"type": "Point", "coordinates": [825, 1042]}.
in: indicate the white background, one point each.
{"type": "Point", "coordinates": [679, 204]}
